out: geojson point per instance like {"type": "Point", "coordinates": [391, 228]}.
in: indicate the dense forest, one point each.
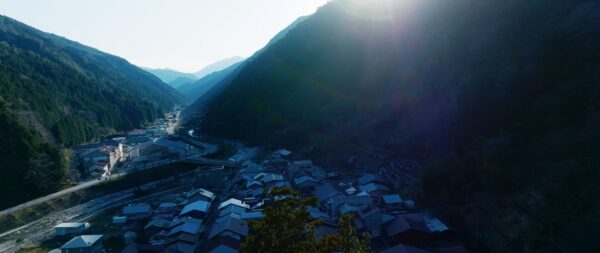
{"type": "Point", "coordinates": [57, 93]}
{"type": "Point", "coordinates": [29, 165]}
{"type": "Point", "coordinates": [499, 100]}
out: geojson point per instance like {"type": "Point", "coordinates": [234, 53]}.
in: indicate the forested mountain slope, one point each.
{"type": "Point", "coordinates": [500, 100]}
{"type": "Point", "coordinates": [74, 91]}
{"type": "Point", "coordinates": [54, 93]}
{"type": "Point", "coordinates": [195, 90]}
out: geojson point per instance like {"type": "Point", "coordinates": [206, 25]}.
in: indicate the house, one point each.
{"type": "Point", "coordinates": [351, 190]}
{"type": "Point", "coordinates": [305, 182]}
{"type": "Point", "coordinates": [370, 178]}
{"type": "Point", "coordinates": [184, 243]}
{"type": "Point", "coordinates": [281, 153]}
{"type": "Point", "coordinates": [155, 226]}
{"type": "Point", "coordinates": [190, 227]}
{"type": "Point", "coordinates": [224, 245]}
{"type": "Point", "coordinates": [256, 215]}
{"type": "Point", "coordinates": [303, 164]}
{"type": "Point", "coordinates": [267, 178]}
{"type": "Point", "coordinates": [136, 248]}
{"type": "Point", "coordinates": [232, 209]}
{"type": "Point", "coordinates": [70, 228]}
{"type": "Point", "coordinates": [230, 227]}
{"type": "Point", "coordinates": [99, 167]}
{"type": "Point", "coordinates": [119, 219]}
{"type": "Point", "coordinates": [137, 211]}
{"type": "Point", "coordinates": [83, 244]}
{"type": "Point", "coordinates": [200, 194]}
{"type": "Point", "coordinates": [233, 201]}
{"type": "Point", "coordinates": [316, 214]}
{"type": "Point", "coordinates": [166, 208]}
{"type": "Point", "coordinates": [375, 190]}
{"type": "Point", "coordinates": [197, 209]}
{"type": "Point", "coordinates": [251, 170]}
{"type": "Point", "coordinates": [407, 229]}
{"type": "Point", "coordinates": [108, 154]}
{"type": "Point", "coordinates": [374, 218]}
{"type": "Point", "coordinates": [253, 184]}
{"type": "Point", "coordinates": [349, 204]}
{"type": "Point", "coordinates": [324, 192]}
{"type": "Point", "coordinates": [401, 248]}
{"type": "Point", "coordinates": [392, 201]}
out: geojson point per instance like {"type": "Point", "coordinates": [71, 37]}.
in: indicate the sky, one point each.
{"type": "Point", "coordinates": [184, 35]}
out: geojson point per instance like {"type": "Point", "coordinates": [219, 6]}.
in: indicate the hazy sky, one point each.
{"type": "Point", "coordinates": [180, 34]}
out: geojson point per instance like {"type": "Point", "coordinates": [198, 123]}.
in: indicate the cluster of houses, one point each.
{"type": "Point", "coordinates": [98, 159]}
{"type": "Point", "coordinates": [395, 225]}
{"type": "Point", "coordinates": [200, 221]}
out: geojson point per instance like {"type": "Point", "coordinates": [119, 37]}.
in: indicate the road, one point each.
{"type": "Point", "coordinates": [132, 170]}
{"type": "Point", "coordinates": [43, 228]}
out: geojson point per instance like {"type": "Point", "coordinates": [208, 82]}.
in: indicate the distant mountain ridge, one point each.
{"type": "Point", "coordinates": [218, 66]}
{"type": "Point", "coordinates": [197, 89]}
{"type": "Point", "coordinates": [169, 76]}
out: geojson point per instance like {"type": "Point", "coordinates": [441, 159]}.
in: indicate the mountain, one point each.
{"type": "Point", "coordinates": [55, 92]}
{"type": "Point", "coordinates": [169, 76]}
{"type": "Point", "coordinates": [180, 81]}
{"type": "Point", "coordinates": [207, 88]}
{"type": "Point", "coordinates": [217, 66]}
{"type": "Point", "coordinates": [195, 90]}
{"type": "Point", "coordinates": [499, 100]}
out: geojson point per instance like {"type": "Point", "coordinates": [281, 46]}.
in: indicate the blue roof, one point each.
{"type": "Point", "coordinates": [199, 205]}
{"type": "Point", "coordinates": [370, 178]}
{"type": "Point", "coordinates": [373, 187]}
{"type": "Point", "coordinates": [231, 209]}
{"type": "Point", "coordinates": [252, 215]}
{"type": "Point", "coordinates": [167, 205]}
{"type": "Point", "coordinates": [233, 201]}
{"type": "Point", "coordinates": [82, 241]}
{"type": "Point", "coordinates": [230, 224]}
{"type": "Point", "coordinates": [136, 209]}
{"type": "Point", "coordinates": [325, 191]}
{"type": "Point", "coordinates": [392, 199]}
{"type": "Point", "coordinates": [303, 179]}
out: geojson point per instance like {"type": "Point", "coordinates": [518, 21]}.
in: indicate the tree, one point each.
{"type": "Point", "coordinates": [288, 227]}
{"type": "Point", "coordinates": [347, 239]}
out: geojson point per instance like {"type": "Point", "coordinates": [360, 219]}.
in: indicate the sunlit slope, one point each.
{"type": "Point", "coordinates": [72, 92]}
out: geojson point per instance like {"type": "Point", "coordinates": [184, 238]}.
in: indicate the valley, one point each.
{"type": "Point", "coordinates": [414, 126]}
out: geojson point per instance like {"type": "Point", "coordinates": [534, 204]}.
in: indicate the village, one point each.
{"type": "Point", "coordinates": [133, 151]}
{"type": "Point", "coordinates": [212, 215]}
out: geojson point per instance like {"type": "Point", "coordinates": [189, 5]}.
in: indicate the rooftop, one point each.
{"type": "Point", "coordinates": [199, 205]}
{"type": "Point", "coordinates": [82, 241]}
{"type": "Point", "coordinates": [70, 225]}
{"type": "Point", "coordinates": [136, 209]}
{"type": "Point", "coordinates": [230, 224]}
{"type": "Point", "coordinates": [392, 199]}
{"type": "Point", "coordinates": [233, 201]}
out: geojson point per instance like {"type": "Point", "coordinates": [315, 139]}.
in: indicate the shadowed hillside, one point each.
{"type": "Point", "coordinates": [500, 100]}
